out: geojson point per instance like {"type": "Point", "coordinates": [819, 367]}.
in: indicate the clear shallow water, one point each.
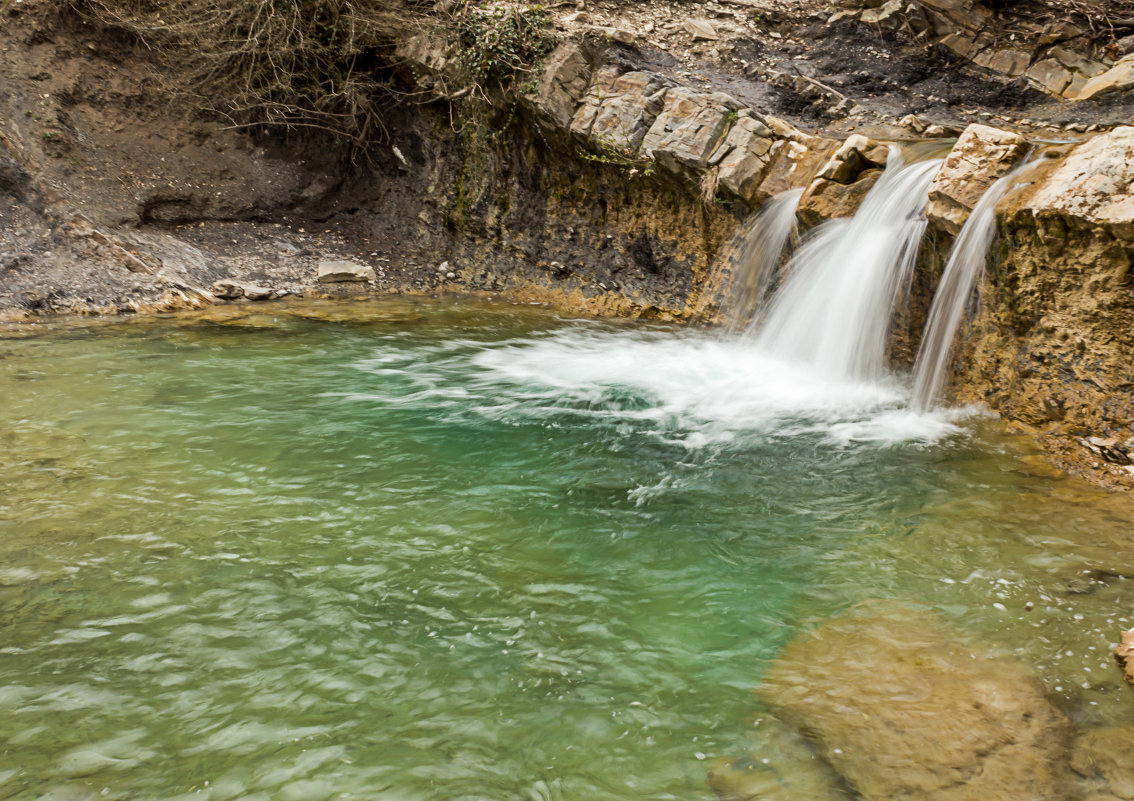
{"type": "Point", "coordinates": [419, 551]}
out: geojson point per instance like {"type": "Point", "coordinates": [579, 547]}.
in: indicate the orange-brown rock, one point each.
{"type": "Point", "coordinates": [1124, 653]}
{"type": "Point", "coordinates": [904, 705]}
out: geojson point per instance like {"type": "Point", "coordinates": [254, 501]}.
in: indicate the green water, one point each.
{"type": "Point", "coordinates": [413, 550]}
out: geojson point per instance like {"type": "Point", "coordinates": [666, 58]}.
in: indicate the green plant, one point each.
{"type": "Point", "coordinates": [609, 153]}
{"type": "Point", "coordinates": [497, 46]}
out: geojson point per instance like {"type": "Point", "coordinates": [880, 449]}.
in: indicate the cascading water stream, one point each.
{"type": "Point", "coordinates": [834, 308]}
{"type": "Point", "coordinates": [963, 270]}
{"type": "Point", "coordinates": [755, 255]}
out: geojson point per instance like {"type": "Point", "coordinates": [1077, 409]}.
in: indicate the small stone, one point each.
{"type": "Point", "coordinates": [341, 271]}
{"type": "Point", "coordinates": [701, 29]}
{"type": "Point", "coordinates": [912, 122]}
{"type": "Point", "coordinates": [936, 132]}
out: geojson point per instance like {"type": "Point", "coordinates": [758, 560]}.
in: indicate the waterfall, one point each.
{"type": "Point", "coordinates": [754, 256]}
{"type": "Point", "coordinates": [962, 272]}
{"type": "Point", "coordinates": [833, 309]}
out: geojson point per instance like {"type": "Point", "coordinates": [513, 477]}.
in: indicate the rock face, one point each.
{"type": "Point", "coordinates": [1051, 344]}
{"type": "Point", "coordinates": [902, 706]}
{"type": "Point", "coordinates": [566, 76]}
{"type": "Point", "coordinates": [744, 157]}
{"type": "Point", "coordinates": [640, 114]}
{"type": "Point", "coordinates": [618, 110]}
{"type": "Point", "coordinates": [688, 129]}
{"type": "Point", "coordinates": [980, 156]}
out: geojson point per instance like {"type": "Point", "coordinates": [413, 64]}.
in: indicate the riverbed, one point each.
{"type": "Point", "coordinates": [417, 549]}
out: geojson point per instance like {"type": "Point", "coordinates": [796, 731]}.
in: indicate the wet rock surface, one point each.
{"type": "Point", "coordinates": [981, 155]}
{"type": "Point", "coordinates": [904, 705]}
{"type": "Point", "coordinates": [1102, 758]}
{"type": "Point", "coordinates": [1124, 653]}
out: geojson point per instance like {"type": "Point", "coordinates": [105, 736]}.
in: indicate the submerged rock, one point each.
{"type": "Point", "coordinates": [981, 155]}
{"type": "Point", "coordinates": [619, 108]}
{"type": "Point", "coordinates": [1103, 758]}
{"type": "Point", "coordinates": [783, 767]}
{"type": "Point", "coordinates": [903, 706]}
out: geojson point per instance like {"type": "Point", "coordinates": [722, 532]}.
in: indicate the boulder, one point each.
{"type": "Point", "coordinates": [1103, 758]}
{"type": "Point", "coordinates": [828, 199]}
{"type": "Point", "coordinates": [688, 129]}
{"type": "Point", "coordinates": [796, 163]}
{"type": "Point", "coordinates": [619, 109]}
{"type": "Point", "coordinates": [1093, 184]}
{"type": "Point", "coordinates": [854, 156]}
{"type": "Point", "coordinates": [743, 158]}
{"type": "Point", "coordinates": [1120, 77]}
{"type": "Point", "coordinates": [904, 705]}
{"type": "Point", "coordinates": [980, 156]}
{"type": "Point", "coordinates": [341, 271]}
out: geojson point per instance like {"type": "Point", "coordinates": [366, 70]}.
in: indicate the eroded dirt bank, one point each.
{"type": "Point", "coordinates": [611, 182]}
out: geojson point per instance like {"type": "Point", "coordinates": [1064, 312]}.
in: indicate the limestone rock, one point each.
{"type": "Point", "coordinates": [566, 75]}
{"type": "Point", "coordinates": [902, 705]}
{"type": "Point", "coordinates": [688, 129]}
{"type": "Point", "coordinates": [701, 29]}
{"type": "Point", "coordinates": [619, 109]}
{"type": "Point", "coordinates": [1124, 653]}
{"type": "Point", "coordinates": [227, 289]}
{"type": "Point", "coordinates": [340, 271]}
{"type": "Point", "coordinates": [1049, 76]}
{"type": "Point", "coordinates": [797, 163]}
{"type": "Point", "coordinates": [1103, 756]}
{"type": "Point", "coordinates": [1120, 77]}
{"type": "Point", "coordinates": [1006, 61]}
{"type": "Point", "coordinates": [828, 199]}
{"type": "Point", "coordinates": [980, 156]}
{"type": "Point", "coordinates": [856, 154]}
{"type": "Point", "coordinates": [744, 157]}
{"type": "Point", "coordinates": [1094, 183]}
